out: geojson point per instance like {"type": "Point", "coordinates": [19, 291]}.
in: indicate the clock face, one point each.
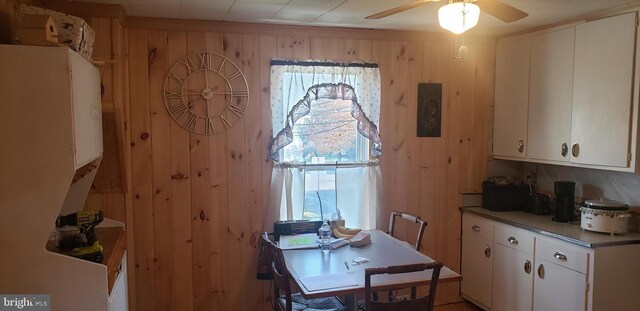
{"type": "Point", "coordinates": [206, 93]}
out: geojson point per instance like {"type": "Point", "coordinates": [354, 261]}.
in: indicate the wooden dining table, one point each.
{"type": "Point", "coordinates": [383, 251]}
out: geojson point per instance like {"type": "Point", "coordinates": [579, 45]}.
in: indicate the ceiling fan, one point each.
{"type": "Point", "coordinates": [460, 16]}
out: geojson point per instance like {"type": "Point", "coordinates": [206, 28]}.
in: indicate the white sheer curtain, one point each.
{"type": "Point", "coordinates": [295, 88]}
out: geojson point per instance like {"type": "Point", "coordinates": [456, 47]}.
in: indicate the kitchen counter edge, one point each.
{"type": "Point", "coordinates": [482, 212]}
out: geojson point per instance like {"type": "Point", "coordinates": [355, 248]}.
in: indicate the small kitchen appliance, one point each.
{"type": "Point", "coordinates": [500, 194]}
{"type": "Point", "coordinates": [536, 203]}
{"type": "Point", "coordinates": [606, 216]}
{"type": "Point", "coordinates": [564, 192]}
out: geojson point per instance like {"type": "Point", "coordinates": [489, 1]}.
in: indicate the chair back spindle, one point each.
{"type": "Point", "coordinates": [424, 303]}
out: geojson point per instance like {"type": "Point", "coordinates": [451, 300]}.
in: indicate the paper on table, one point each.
{"type": "Point", "coordinates": [307, 240]}
{"type": "Point", "coordinates": [328, 281]}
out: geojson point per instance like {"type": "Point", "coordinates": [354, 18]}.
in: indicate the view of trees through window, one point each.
{"type": "Point", "coordinates": [326, 135]}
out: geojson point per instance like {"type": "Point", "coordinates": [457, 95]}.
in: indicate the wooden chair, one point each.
{"type": "Point", "coordinates": [283, 299]}
{"type": "Point", "coordinates": [411, 218]}
{"type": "Point", "coordinates": [421, 227]}
{"type": "Point", "coordinates": [424, 303]}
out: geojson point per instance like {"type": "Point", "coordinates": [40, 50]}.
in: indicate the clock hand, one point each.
{"type": "Point", "coordinates": [206, 85]}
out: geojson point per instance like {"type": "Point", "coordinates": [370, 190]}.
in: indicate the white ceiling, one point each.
{"type": "Point", "coordinates": [351, 13]}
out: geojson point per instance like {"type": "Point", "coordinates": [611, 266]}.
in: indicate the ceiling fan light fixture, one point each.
{"type": "Point", "coordinates": [458, 17]}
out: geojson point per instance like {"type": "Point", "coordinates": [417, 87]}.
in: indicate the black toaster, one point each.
{"type": "Point", "coordinates": [500, 194]}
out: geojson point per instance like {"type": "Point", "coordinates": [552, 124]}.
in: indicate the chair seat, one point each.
{"type": "Point", "coordinates": [318, 304]}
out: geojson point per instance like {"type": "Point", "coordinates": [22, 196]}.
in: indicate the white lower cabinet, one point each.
{"type": "Point", "coordinates": [477, 265]}
{"type": "Point", "coordinates": [512, 269]}
{"type": "Point", "coordinates": [519, 270]}
{"type": "Point", "coordinates": [477, 269]}
{"type": "Point", "coordinates": [558, 288]}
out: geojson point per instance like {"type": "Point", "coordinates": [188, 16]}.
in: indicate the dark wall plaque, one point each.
{"type": "Point", "coordinates": [429, 109]}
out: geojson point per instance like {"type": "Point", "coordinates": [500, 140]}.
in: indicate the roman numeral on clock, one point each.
{"type": "Point", "coordinates": [177, 110]}
{"type": "Point", "coordinates": [205, 61]}
{"type": "Point", "coordinates": [187, 62]}
{"type": "Point", "coordinates": [225, 122]}
{"type": "Point", "coordinates": [234, 75]}
{"type": "Point", "coordinates": [238, 111]}
{"type": "Point", "coordinates": [190, 123]}
{"type": "Point", "coordinates": [240, 93]}
{"type": "Point", "coordinates": [174, 76]}
{"type": "Point", "coordinates": [168, 94]}
{"type": "Point", "coordinates": [209, 129]}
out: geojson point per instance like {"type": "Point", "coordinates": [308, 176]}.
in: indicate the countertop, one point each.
{"type": "Point", "coordinates": [570, 232]}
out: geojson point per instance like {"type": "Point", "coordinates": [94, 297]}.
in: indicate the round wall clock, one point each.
{"type": "Point", "coordinates": [206, 93]}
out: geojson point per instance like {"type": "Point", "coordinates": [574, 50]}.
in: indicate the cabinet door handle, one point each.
{"type": "Point", "coordinates": [560, 256]}
{"type": "Point", "coordinates": [476, 228]}
{"type": "Point", "coordinates": [487, 251]}
{"type": "Point", "coordinates": [512, 240]}
{"type": "Point", "coordinates": [565, 150]}
{"type": "Point", "coordinates": [527, 267]}
{"type": "Point", "coordinates": [541, 271]}
{"type": "Point", "coordinates": [575, 150]}
{"type": "Point", "coordinates": [521, 146]}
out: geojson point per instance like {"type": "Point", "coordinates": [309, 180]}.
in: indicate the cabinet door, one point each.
{"type": "Point", "coordinates": [118, 299]}
{"type": "Point", "coordinates": [602, 91]}
{"type": "Point", "coordinates": [511, 99]}
{"type": "Point", "coordinates": [550, 93]}
{"type": "Point", "coordinates": [87, 113]}
{"type": "Point", "coordinates": [558, 288]}
{"type": "Point", "coordinates": [512, 279]}
{"type": "Point", "coordinates": [477, 265]}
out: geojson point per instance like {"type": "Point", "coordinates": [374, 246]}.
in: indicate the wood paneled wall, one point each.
{"type": "Point", "coordinates": [200, 203]}
{"type": "Point", "coordinates": [9, 11]}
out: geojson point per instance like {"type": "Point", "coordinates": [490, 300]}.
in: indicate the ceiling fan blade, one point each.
{"type": "Point", "coordinates": [502, 11]}
{"type": "Point", "coordinates": [399, 9]}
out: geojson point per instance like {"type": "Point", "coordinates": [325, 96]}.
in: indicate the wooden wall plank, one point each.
{"type": "Point", "coordinates": [383, 55]}
{"type": "Point", "coordinates": [118, 52]}
{"type": "Point", "coordinates": [253, 165]}
{"type": "Point", "coordinates": [325, 48]}
{"type": "Point", "coordinates": [214, 43]}
{"type": "Point", "coordinates": [400, 104]}
{"type": "Point", "coordinates": [268, 47]}
{"type": "Point", "coordinates": [200, 207]}
{"type": "Point", "coordinates": [115, 204]}
{"type": "Point", "coordinates": [434, 152]}
{"type": "Point", "coordinates": [161, 161]}
{"type": "Point", "coordinates": [239, 233]}
{"type": "Point", "coordinates": [180, 194]}
{"type": "Point", "coordinates": [141, 169]}
{"type": "Point", "coordinates": [358, 50]}
{"type": "Point", "coordinates": [128, 170]}
{"type": "Point", "coordinates": [482, 98]}
{"type": "Point", "coordinates": [9, 15]}
{"type": "Point", "coordinates": [413, 185]}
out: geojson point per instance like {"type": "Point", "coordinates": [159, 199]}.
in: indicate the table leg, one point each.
{"type": "Point", "coordinates": [351, 302]}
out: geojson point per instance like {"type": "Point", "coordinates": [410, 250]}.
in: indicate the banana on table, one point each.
{"type": "Point", "coordinates": [343, 232]}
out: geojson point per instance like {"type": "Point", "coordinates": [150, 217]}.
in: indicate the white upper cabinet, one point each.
{"type": "Point", "coordinates": [53, 80]}
{"type": "Point", "coordinates": [602, 91]}
{"type": "Point", "coordinates": [511, 98]}
{"type": "Point", "coordinates": [570, 96]}
{"type": "Point", "coordinates": [550, 93]}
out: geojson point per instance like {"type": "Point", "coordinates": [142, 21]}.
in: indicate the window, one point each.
{"type": "Point", "coordinates": [325, 143]}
